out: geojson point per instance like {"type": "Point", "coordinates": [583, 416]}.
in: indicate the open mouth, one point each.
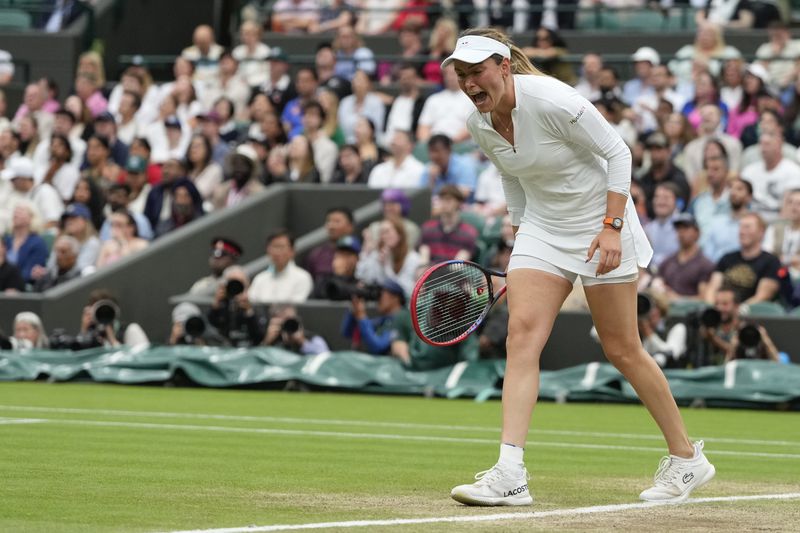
{"type": "Point", "coordinates": [479, 98]}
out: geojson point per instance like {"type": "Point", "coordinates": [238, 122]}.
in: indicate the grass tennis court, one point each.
{"type": "Point", "coordinates": [87, 457]}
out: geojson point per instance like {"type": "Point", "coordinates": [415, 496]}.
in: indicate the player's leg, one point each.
{"type": "Point", "coordinates": [534, 299]}
{"type": "Point", "coordinates": [613, 308]}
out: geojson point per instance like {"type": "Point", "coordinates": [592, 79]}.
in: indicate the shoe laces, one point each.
{"type": "Point", "coordinates": [494, 474]}
{"type": "Point", "coordinates": [665, 474]}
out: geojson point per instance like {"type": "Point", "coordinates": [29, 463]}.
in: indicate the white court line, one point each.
{"type": "Point", "coordinates": [390, 436]}
{"type": "Point", "coordinates": [370, 423]}
{"type": "Point", "coordinates": [7, 421]}
{"type": "Point", "coordinates": [492, 517]}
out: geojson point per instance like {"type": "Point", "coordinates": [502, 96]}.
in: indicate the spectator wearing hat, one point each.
{"type": "Point", "coordinates": [119, 196]}
{"type": "Point", "coordinates": [392, 258]}
{"type": "Point", "coordinates": [350, 169]}
{"type": "Point", "coordinates": [402, 169]}
{"type": "Point", "coordinates": [644, 59]}
{"type": "Point", "coordinates": [225, 252]}
{"type": "Point", "coordinates": [660, 230]}
{"type": "Point", "coordinates": [685, 274]}
{"type": "Point", "coordinates": [342, 281]}
{"type": "Point", "coordinates": [137, 181]}
{"type": "Point", "coordinates": [662, 170]}
{"type": "Point", "coordinates": [339, 223]}
{"type": "Point", "coordinates": [101, 169]}
{"type": "Point", "coordinates": [279, 88]}
{"type": "Point", "coordinates": [374, 335]}
{"type": "Point", "coordinates": [158, 205]}
{"type": "Point", "coordinates": [47, 201]}
{"type": "Point", "coordinates": [445, 167]}
{"type": "Point", "coordinates": [24, 247]}
{"type": "Point", "coordinates": [446, 236]}
{"type": "Point", "coordinates": [396, 204]}
{"type": "Point", "coordinates": [106, 125]}
{"type": "Point", "coordinates": [283, 281]}
{"type": "Point", "coordinates": [10, 277]}
{"type": "Point", "coordinates": [65, 266]}
{"type": "Point", "coordinates": [241, 179]}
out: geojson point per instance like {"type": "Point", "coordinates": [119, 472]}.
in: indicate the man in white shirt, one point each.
{"type": "Point", "coordinates": [446, 112]}
{"type": "Point", "coordinates": [402, 170]}
{"type": "Point", "coordinates": [405, 109]}
{"type": "Point", "coordinates": [771, 177]}
{"type": "Point", "coordinates": [204, 54]}
{"type": "Point", "coordinates": [252, 54]}
{"type": "Point", "coordinates": [783, 237]}
{"type": "Point", "coordinates": [283, 281]}
{"type": "Point", "coordinates": [779, 54]}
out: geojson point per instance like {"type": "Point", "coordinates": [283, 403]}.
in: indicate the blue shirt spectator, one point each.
{"type": "Point", "coordinates": [447, 168]}
{"type": "Point", "coordinates": [374, 335]}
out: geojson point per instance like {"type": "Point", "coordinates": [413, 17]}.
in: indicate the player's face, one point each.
{"type": "Point", "coordinates": [482, 82]}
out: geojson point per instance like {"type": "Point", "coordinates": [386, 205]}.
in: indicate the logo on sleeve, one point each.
{"type": "Point", "coordinates": [577, 117]}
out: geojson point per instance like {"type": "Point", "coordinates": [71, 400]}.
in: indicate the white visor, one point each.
{"type": "Point", "coordinates": [474, 49]}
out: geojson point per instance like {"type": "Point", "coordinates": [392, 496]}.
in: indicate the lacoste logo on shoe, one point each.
{"type": "Point", "coordinates": [518, 490]}
{"type": "Point", "coordinates": [687, 478]}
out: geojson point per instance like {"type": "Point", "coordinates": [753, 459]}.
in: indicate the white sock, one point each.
{"type": "Point", "coordinates": [511, 456]}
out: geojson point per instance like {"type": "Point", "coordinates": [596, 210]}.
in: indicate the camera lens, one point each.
{"type": "Point", "coordinates": [234, 288]}
{"type": "Point", "coordinates": [711, 318]}
{"type": "Point", "coordinates": [643, 304]}
{"type": "Point", "coordinates": [749, 336]}
{"type": "Point", "coordinates": [290, 326]}
{"type": "Point", "coordinates": [105, 312]}
{"type": "Point", "coordinates": [194, 326]}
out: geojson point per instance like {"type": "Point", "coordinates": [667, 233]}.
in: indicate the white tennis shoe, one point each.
{"type": "Point", "coordinates": [677, 477]}
{"type": "Point", "coordinates": [496, 486]}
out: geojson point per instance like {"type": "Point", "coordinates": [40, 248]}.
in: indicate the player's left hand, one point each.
{"type": "Point", "coordinates": [609, 242]}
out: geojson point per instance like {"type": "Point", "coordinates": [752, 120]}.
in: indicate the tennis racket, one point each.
{"type": "Point", "coordinates": [451, 300]}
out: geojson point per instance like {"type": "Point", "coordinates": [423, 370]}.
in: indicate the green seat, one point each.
{"type": "Point", "coordinates": [421, 152]}
{"type": "Point", "coordinates": [795, 312]}
{"type": "Point", "coordinates": [474, 219]}
{"type": "Point", "coordinates": [765, 309]}
{"type": "Point", "coordinates": [15, 19]}
{"type": "Point", "coordinates": [684, 307]}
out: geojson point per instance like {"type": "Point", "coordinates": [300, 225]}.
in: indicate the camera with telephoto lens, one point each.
{"type": "Point", "coordinates": [194, 327]}
{"type": "Point", "coordinates": [643, 304]}
{"type": "Point", "coordinates": [105, 312]}
{"type": "Point", "coordinates": [749, 342]}
{"type": "Point", "coordinates": [339, 289]}
{"type": "Point", "coordinates": [290, 326]}
{"type": "Point", "coordinates": [233, 288]}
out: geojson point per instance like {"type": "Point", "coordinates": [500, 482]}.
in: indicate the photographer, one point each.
{"type": "Point", "coordinates": [751, 341]}
{"type": "Point", "coordinates": [338, 285]}
{"type": "Point", "coordinates": [285, 330]}
{"type": "Point", "coordinates": [374, 335]}
{"type": "Point", "coordinates": [101, 325]}
{"type": "Point", "coordinates": [232, 314]}
{"type": "Point", "coordinates": [716, 328]}
{"type": "Point", "coordinates": [666, 346]}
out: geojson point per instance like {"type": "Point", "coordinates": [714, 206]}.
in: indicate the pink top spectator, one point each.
{"type": "Point", "coordinates": [97, 103]}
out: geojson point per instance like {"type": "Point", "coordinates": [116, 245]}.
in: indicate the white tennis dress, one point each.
{"type": "Point", "coordinates": [556, 176]}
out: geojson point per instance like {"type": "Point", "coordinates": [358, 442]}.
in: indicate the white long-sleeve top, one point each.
{"type": "Point", "coordinates": [556, 176]}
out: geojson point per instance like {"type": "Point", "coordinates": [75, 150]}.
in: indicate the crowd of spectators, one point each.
{"type": "Point", "coordinates": [92, 177]}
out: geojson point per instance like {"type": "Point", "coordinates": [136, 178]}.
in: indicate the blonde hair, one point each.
{"type": "Point", "coordinates": [447, 26]}
{"type": "Point", "coordinates": [520, 64]}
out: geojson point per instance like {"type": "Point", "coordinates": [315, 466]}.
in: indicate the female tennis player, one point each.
{"type": "Point", "coordinates": [566, 176]}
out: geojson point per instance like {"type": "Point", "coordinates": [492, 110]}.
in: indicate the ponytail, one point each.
{"type": "Point", "coordinates": [520, 64]}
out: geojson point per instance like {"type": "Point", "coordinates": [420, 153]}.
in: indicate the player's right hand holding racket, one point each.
{"type": "Point", "coordinates": [451, 300]}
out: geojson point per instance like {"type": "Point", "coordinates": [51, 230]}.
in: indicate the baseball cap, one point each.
{"type": "Point", "coordinates": [105, 116]}
{"type": "Point", "coordinates": [393, 287]}
{"type": "Point", "coordinates": [224, 245]}
{"type": "Point", "coordinates": [476, 48]}
{"type": "Point", "coordinates": [758, 70]}
{"type": "Point", "coordinates": [18, 167]}
{"type": "Point", "coordinates": [247, 151]}
{"type": "Point", "coordinates": [185, 310]}
{"type": "Point", "coordinates": [349, 243]}
{"type": "Point", "coordinates": [136, 164]}
{"type": "Point", "coordinates": [277, 54]}
{"type": "Point", "coordinates": [657, 140]}
{"type": "Point", "coordinates": [685, 219]}
{"type": "Point", "coordinates": [645, 53]}
{"type": "Point", "coordinates": [76, 210]}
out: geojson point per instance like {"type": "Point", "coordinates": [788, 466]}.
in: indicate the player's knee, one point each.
{"type": "Point", "coordinates": [522, 335]}
{"type": "Point", "coordinates": [623, 352]}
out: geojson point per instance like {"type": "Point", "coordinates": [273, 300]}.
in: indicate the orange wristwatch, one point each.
{"type": "Point", "coordinates": [613, 222]}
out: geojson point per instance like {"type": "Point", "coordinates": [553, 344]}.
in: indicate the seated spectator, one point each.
{"type": "Point", "coordinates": [588, 84]}
{"type": "Point", "coordinates": [59, 170]}
{"type": "Point", "coordinates": [10, 277]}
{"type": "Point", "coordinates": [168, 136]}
{"type": "Point", "coordinates": [141, 148]}
{"type": "Point", "coordinates": [29, 137]}
{"type": "Point", "coordinates": [415, 354]}
{"type": "Point", "coordinates": [645, 59]}
{"type": "Point", "coordinates": [351, 55]}
{"type": "Point", "coordinates": [377, 16]}
{"type": "Point", "coordinates": [708, 48]}
{"type": "Point", "coordinates": [325, 65]}
{"type": "Point", "coordinates": [87, 88]}
{"type": "Point", "coordinates": [119, 200]}
{"type": "Point", "coordinates": [64, 13]}
{"type": "Point", "coordinates": [706, 93]}
{"type": "Point", "coordinates": [446, 112]}
{"type": "Point", "coordinates": [685, 274]}
{"type": "Point", "coordinates": [722, 235]}
{"type": "Point", "coordinates": [615, 112]}
{"type": "Point", "coordinates": [33, 105]}
{"type": "Point", "coordinates": [228, 115]}
{"type": "Point", "coordinates": [333, 15]}
{"type": "Point", "coordinates": [300, 161]}
{"type": "Point", "coordinates": [209, 124]}
{"type": "Point", "coordinates": [396, 204]}
{"type": "Point", "coordinates": [660, 230]}
{"type": "Point", "coordinates": [77, 222]}
{"type": "Point", "coordinates": [410, 49]}
{"type": "Point", "coordinates": [64, 268]}
{"type": "Point", "coordinates": [285, 330]}
{"type": "Point", "coordinates": [490, 200]}
{"type": "Point", "coordinates": [242, 181]}
{"type": "Point", "coordinates": [441, 43]}
{"type": "Point", "coordinates": [769, 120]}
{"type": "Point", "coordinates": [715, 199]}
{"type": "Point", "coordinates": [782, 238]}
{"type": "Point", "coordinates": [252, 54]}
{"type": "Point", "coordinates": [391, 259]}
{"type": "Point", "coordinates": [294, 16]}
{"type": "Point", "coordinates": [646, 105]}
{"type": "Point", "coordinates": [771, 177]}
{"type": "Point", "coordinates": [110, 334]}
{"type": "Point", "coordinates": [105, 125]}
{"type": "Point", "coordinates": [778, 54]}
{"type": "Point", "coordinates": [29, 331]}
{"type": "Point", "coordinates": [745, 113]}
{"type": "Point", "coordinates": [405, 108]}
{"type": "Point", "coordinates": [232, 313]}
{"type": "Point", "coordinates": [324, 149]}
{"type": "Point", "coordinates": [364, 102]}
{"type": "Point", "coordinates": [187, 206]}
{"type": "Point", "coordinates": [44, 197]}
{"type": "Point", "coordinates": [25, 248]}
{"type": "Point", "coordinates": [366, 142]}
{"type": "Point", "coordinates": [283, 281]}
{"type": "Point", "coordinates": [447, 168]}
{"type": "Point", "coordinates": [205, 173]}
{"type": "Point", "coordinates": [137, 182]}
{"type": "Point", "coordinates": [124, 239]}
{"type": "Point", "coordinates": [341, 282]}
{"type": "Point", "coordinates": [204, 54]}
{"type": "Point", "coordinates": [227, 83]}
{"type": "Point", "coordinates": [667, 346]}
{"type": "Point", "coordinates": [709, 128]}
{"type": "Point", "coordinates": [374, 335]}
{"type": "Point", "coordinates": [306, 83]}
{"type": "Point", "coordinates": [279, 88]}
{"type": "Point", "coordinates": [548, 51]}
{"type": "Point", "coordinates": [102, 170]}
{"type": "Point", "coordinates": [750, 271]}
{"type": "Point", "coordinates": [158, 205]}
{"type": "Point", "coordinates": [90, 195]}
{"type": "Point", "coordinates": [402, 169]}
{"type": "Point", "coordinates": [350, 168]}
{"type": "Point", "coordinates": [447, 237]}
{"type": "Point", "coordinates": [339, 223]}
{"type": "Point", "coordinates": [129, 125]}
{"type": "Point", "coordinates": [225, 252]}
